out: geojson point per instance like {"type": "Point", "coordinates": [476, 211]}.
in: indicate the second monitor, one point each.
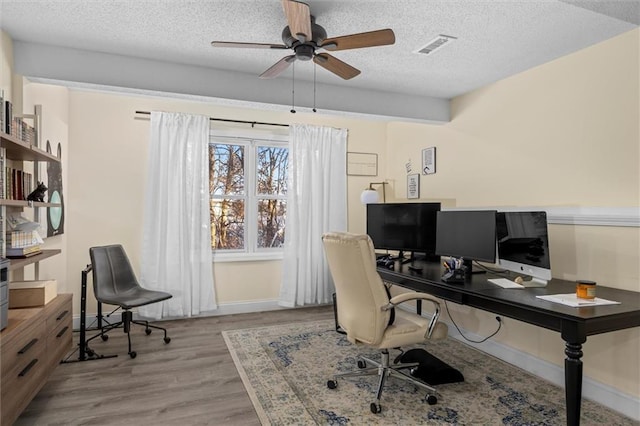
{"type": "Point", "coordinates": [467, 234]}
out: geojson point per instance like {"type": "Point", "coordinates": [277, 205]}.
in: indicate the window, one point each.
{"type": "Point", "coordinates": [248, 190]}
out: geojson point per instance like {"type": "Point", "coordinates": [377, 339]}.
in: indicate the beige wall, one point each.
{"type": "Point", "coordinates": [6, 64]}
{"type": "Point", "coordinates": [107, 178]}
{"type": "Point", "coordinates": [563, 134]}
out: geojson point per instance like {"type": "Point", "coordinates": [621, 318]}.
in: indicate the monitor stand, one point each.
{"type": "Point", "coordinates": [468, 265]}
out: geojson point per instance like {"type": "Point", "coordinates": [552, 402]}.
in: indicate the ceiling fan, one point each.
{"type": "Point", "coordinates": [305, 37]}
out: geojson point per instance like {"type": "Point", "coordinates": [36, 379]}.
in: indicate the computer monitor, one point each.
{"type": "Point", "coordinates": [467, 234]}
{"type": "Point", "coordinates": [523, 244]}
{"type": "Point", "coordinates": [403, 227]}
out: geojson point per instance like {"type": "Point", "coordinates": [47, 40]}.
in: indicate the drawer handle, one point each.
{"type": "Point", "coordinates": [62, 315]}
{"type": "Point", "coordinates": [64, 330]}
{"type": "Point", "coordinates": [28, 367]}
{"type": "Point", "coordinates": [27, 346]}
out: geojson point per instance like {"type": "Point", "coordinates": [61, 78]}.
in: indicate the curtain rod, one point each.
{"type": "Point", "coordinates": [253, 123]}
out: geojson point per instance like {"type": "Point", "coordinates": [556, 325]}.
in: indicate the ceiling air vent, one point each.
{"type": "Point", "coordinates": [436, 44]}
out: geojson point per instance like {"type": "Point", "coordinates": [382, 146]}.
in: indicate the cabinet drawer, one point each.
{"type": "Point", "coordinates": [59, 340]}
{"type": "Point", "coordinates": [58, 311]}
{"type": "Point", "coordinates": [30, 340]}
{"type": "Point", "coordinates": [22, 382]}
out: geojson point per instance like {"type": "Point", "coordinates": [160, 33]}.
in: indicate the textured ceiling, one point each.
{"type": "Point", "coordinates": [495, 39]}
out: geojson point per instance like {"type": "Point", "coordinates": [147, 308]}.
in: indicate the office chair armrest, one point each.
{"type": "Point", "coordinates": [405, 297]}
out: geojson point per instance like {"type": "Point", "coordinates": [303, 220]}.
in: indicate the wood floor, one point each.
{"type": "Point", "coordinates": [190, 381]}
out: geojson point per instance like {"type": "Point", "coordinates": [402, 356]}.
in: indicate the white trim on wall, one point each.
{"type": "Point", "coordinates": [591, 216]}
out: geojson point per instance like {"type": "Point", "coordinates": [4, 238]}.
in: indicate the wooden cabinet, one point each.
{"type": "Point", "coordinates": [32, 345]}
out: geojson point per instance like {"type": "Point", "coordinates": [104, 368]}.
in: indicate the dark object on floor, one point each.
{"type": "Point", "coordinates": [431, 369]}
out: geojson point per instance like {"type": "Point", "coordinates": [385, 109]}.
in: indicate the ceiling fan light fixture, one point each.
{"type": "Point", "coordinates": [304, 37]}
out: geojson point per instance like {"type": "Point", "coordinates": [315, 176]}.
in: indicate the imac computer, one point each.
{"type": "Point", "coordinates": [403, 227]}
{"type": "Point", "coordinates": [467, 234]}
{"type": "Point", "coordinates": [523, 245]}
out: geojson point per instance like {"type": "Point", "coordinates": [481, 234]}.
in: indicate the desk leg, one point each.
{"type": "Point", "coordinates": [573, 382]}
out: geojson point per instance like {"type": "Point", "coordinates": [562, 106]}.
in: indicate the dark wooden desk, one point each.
{"type": "Point", "coordinates": [573, 324]}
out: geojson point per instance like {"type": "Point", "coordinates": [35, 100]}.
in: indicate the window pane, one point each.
{"type": "Point", "coordinates": [227, 224]}
{"type": "Point", "coordinates": [271, 218]}
{"type": "Point", "coordinates": [271, 169]}
{"type": "Point", "coordinates": [226, 169]}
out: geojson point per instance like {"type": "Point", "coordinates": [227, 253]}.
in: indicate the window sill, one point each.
{"type": "Point", "coordinates": [245, 257]}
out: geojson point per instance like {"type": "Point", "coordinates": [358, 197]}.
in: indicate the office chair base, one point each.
{"type": "Point", "coordinates": [383, 370]}
{"type": "Point", "coordinates": [125, 324]}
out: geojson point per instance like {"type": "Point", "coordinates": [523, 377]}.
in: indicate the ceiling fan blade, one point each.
{"type": "Point", "coordinates": [355, 41]}
{"type": "Point", "coordinates": [336, 66]}
{"type": "Point", "coordinates": [299, 19]}
{"type": "Point", "coordinates": [277, 68]}
{"type": "Point", "coordinates": [247, 45]}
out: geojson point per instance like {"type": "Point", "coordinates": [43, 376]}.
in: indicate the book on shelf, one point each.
{"type": "Point", "coordinates": [3, 163]}
{"type": "Point", "coordinates": [23, 251]}
{"type": "Point", "coordinates": [8, 117]}
{"type": "Point", "coordinates": [2, 127]}
{"type": "Point", "coordinates": [20, 239]}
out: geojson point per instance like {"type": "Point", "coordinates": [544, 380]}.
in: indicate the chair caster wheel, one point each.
{"type": "Point", "coordinates": [104, 337]}
{"type": "Point", "coordinates": [332, 384]}
{"type": "Point", "coordinates": [362, 364]}
{"type": "Point", "coordinates": [147, 331]}
{"type": "Point", "coordinates": [167, 339]}
{"type": "Point", "coordinates": [375, 408]}
{"type": "Point", "coordinates": [90, 352]}
{"type": "Point", "coordinates": [413, 371]}
{"type": "Point", "coordinates": [133, 354]}
{"type": "Point", "coordinates": [431, 399]}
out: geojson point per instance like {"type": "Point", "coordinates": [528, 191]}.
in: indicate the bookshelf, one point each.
{"type": "Point", "coordinates": [17, 150]}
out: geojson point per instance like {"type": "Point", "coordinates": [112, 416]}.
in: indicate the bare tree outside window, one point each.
{"type": "Point", "coordinates": [248, 188]}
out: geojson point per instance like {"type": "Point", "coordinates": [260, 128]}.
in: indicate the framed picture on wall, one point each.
{"type": "Point", "coordinates": [429, 161]}
{"type": "Point", "coordinates": [413, 186]}
{"type": "Point", "coordinates": [362, 164]}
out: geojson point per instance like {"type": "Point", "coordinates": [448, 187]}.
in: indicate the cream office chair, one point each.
{"type": "Point", "coordinates": [364, 311]}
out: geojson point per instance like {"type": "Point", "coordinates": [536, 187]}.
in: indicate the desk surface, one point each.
{"type": "Point", "coordinates": [574, 324]}
{"type": "Point", "coordinates": [522, 304]}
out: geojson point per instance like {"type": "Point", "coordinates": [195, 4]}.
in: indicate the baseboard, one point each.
{"type": "Point", "coordinates": [608, 396]}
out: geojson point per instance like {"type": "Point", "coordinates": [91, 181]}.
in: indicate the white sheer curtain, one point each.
{"type": "Point", "coordinates": [316, 203]}
{"type": "Point", "coordinates": [176, 248]}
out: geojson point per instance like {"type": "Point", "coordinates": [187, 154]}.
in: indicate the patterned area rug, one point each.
{"type": "Point", "coordinates": [285, 371]}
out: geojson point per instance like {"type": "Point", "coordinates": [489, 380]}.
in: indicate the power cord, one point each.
{"type": "Point", "coordinates": [488, 269]}
{"type": "Point", "coordinates": [465, 337]}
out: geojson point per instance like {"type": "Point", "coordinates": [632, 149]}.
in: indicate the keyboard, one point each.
{"type": "Point", "coordinates": [505, 283]}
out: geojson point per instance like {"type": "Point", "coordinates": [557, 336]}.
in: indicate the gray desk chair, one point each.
{"type": "Point", "coordinates": [115, 283]}
{"type": "Point", "coordinates": [364, 312]}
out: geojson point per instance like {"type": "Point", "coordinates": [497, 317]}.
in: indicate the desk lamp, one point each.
{"type": "Point", "coordinates": [370, 195]}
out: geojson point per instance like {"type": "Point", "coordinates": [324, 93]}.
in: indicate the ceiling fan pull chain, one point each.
{"type": "Point", "coordinates": [314, 87]}
{"type": "Point", "coordinates": [293, 89]}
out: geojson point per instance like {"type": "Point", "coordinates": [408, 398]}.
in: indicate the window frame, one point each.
{"type": "Point", "coordinates": [250, 139]}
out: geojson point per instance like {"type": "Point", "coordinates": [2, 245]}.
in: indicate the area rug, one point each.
{"type": "Point", "coordinates": [285, 369]}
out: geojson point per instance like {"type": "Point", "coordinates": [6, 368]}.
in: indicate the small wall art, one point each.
{"type": "Point", "coordinates": [429, 161]}
{"type": "Point", "coordinates": [413, 186]}
{"type": "Point", "coordinates": [362, 164]}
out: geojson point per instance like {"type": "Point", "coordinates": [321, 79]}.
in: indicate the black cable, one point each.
{"type": "Point", "coordinates": [465, 337]}
{"type": "Point", "coordinates": [488, 269]}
